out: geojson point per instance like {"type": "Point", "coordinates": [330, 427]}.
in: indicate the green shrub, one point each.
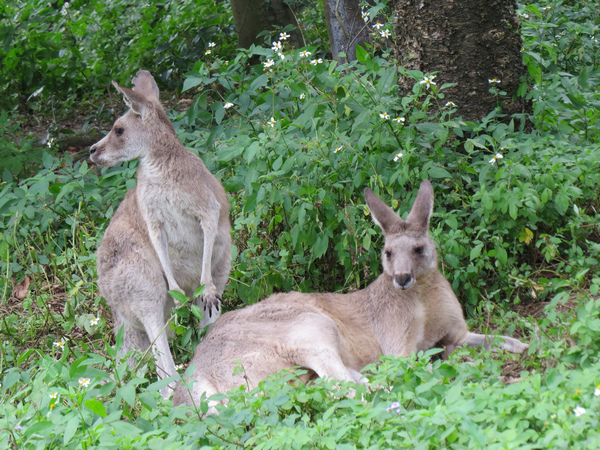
{"type": "Point", "coordinates": [57, 53]}
{"type": "Point", "coordinates": [296, 141]}
{"type": "Point", "coordinates": [295, 145]}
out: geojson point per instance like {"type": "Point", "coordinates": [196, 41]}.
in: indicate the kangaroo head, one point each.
{"type": "Point", "coordinates": [409, 252]}
{"type": "Point", "coordinates": [133, 134]}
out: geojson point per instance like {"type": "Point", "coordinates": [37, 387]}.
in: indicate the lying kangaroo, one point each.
{"type": "Point", "coordinates": [171, 232]}
{"type": "Point", "coordinates": [410, 307]}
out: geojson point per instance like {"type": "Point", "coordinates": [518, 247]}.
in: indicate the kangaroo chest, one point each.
{"type": "Point", "coordinates": [173, 212]}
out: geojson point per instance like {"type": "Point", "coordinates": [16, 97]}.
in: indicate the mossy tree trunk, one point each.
{"type": "Point", "coordinates": [255, 16]}
{"type": "Point", "coordinates": [469, 42]}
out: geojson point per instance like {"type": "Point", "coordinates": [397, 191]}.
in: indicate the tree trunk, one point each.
{"type": "Point", "coordinates": [345, 27]}
{"type": "Point", "coordinates": [469, 42]}
{"type": "Point", "coordinates": [254, 16]}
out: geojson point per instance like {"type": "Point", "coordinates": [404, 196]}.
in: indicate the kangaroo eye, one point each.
{"type": "Point", "coordinates": [419, 250]}
{"type": "Point", "coordinates": [388, 254]}
{"type": "Point", "coordinates": [119, 131]}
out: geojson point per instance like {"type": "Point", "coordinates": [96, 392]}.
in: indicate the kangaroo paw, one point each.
{"type": "Point", "coordinates": [211, 308]}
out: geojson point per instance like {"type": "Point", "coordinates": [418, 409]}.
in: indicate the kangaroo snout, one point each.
{"type": "Point", "coordinates": [96, 153]}
{"type": "Point", "coordinates": [404, 280]}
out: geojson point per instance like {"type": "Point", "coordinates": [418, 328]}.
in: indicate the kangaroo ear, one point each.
{"type": "Point", "coordinates": [144, 84]}
{"type": "Point", "coordinates": [423, 206]}
{"type": "Point", "coordinates": [136, 101]}
{"type": "Point", "coordinates": [383, 215]}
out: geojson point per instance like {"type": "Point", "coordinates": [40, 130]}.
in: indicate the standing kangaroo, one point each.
{"type": "Point", "coordinates": [171, 232]}
{"type": "Point", "coordinates": [410, 307]}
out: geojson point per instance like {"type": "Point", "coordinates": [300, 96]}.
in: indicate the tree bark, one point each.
{"type": "Point", "coordinates": [345, 27]}
{"type": "Point", "coordinates": [469, 42]}
{"type": "Point", "coordinates": [254, 16]}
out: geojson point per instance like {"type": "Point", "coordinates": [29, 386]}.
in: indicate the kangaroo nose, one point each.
{"type": "Point", "coordinates": [403, 280]}
{"type": "Point", "coordinates": [92, 150]}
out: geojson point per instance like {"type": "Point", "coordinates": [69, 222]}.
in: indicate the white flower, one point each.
{"type": "Point", "coordinates": [211, 44]}
{"type": "Point", "coordinates": [54, 395]}
{"type": "Point", "coordinates": [268, 63]}
{"type": "Point", "coordinates": [302, 96]}
{"type": "Point", "coordinates": [385, 33]}
{"type": "Point", "coordinates": [597, 391]}
{"type": "Point", "coordinates": [277, 46]}
{"type": "Point", "coordinates": [227, 105]}
{"type": "Point", "coordinates": [378, 25]}
{"type": "Point", "coordinates": [384, 116]}
{"type": "Point", "coordinates": [450, 103]}
{"type": "Point", "coordinates": [399, 119]}
{"type": "Point", "coordinates": [207, 52]}
{"type": "Point", "coordinates": [283, 36]}
{"type": "Point", "coordinates": [496, 157]}
{"type": "Point", "coordinates": [494, 80]}
{"type": "Point", "coordinates": [314, 62]}
{"type": "Point", "coordinates": [179, 367]}
{"type": "Point", "coordinates": [305, 53]}
{"type": "Point", "coordinates": [50, 142]}
{"type": "Point", "coordinates": [579, 411]}
{"type": "Point", "coordinates": [337, 149]}
{"type": "Point", "coordinates": [59, 344]}
{"type": "Point", "coordinates": [398, 156]}
{"type": "Point", "coordinates": [84, 382]}
{"type": "Point", "coordinates": [428, 81]}
{"type": "Point", "coordinates": [365, 16]}
{"type": "Point", "coordinates": [95, 321]}
{"type": "Point", "coordinates": [272, 122]}
{"type": "Point", "coordinates": [281, 55]}
{"type": "Point", "coordinates": [394, 407]}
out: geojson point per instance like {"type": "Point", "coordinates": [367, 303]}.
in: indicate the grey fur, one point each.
{"type": "Point", "coordinates": [410, 307]}
{"type": "Point", "coordinates": [171, 232]}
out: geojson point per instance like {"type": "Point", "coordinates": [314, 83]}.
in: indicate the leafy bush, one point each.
{"type": "Point", "coordinates": [298, 140]}
{"type": "Point", "coordinates": [561, 53]}
{"type": "Point", "coordinates": [295, 142]}
{"type": "Point", "coordinates": [16, 155]}
{"type": "Point", "coordinates": [64, 51]}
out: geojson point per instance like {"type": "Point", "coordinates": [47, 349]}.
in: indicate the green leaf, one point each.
{"type": "Point", "coordinates": [447, 371]}
{"type": "Point", "coordinates": [219, 112]}
{"type": "Point", "coordinates": [438, 172]}
{"type": "Point", "coordinates": [158, 385]}
{"type": "Point", "coordinates": [179, 296]}
{"type": "Point", "coordinates": [4, 251]}
{"type": "Point", "coordinates": [96, 407]}
{"type": "Point", "coordinates": [320, 246]}
{"type": "Point", "coordinates": [582, 79]}
{"type": "Point", "coordinates": [70, 429]}
{"type": "Point", "coordinates": [48, 160]}
{"type": "Point", "coordinates": [148, 400]}
{"type": "Point", "coordinates": [452, 260]}
{"type": "Point", "coordinates": [39, 428]}
{"type": "Point", "coordinates": [128, 394]}
{"type": "Point", "coordinates": [475, 251]}
{"type": "Point", "coordinates": [361, 54]}
{"type": "Point", "coordinates": [501, 255]}
{"type": "Point", "coordinates": [561, 202]}
{"type": "Point", "coordinates": [191, 82]}
{"type": "Point", "coordinates": [329, 413]}
{"type": "Point", "coordinates": [11, 379]}
{"type": "Point", "coordinates": [196, 311]}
